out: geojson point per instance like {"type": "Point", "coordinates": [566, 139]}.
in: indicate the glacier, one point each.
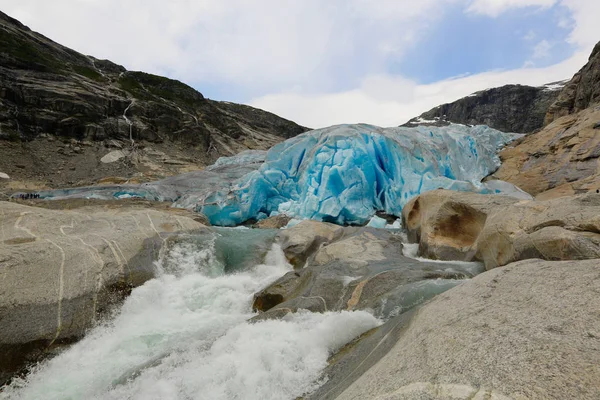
{"type": "Point", "coordinates": [342, 174]}
{"type": "Point", "coordinates": [345, 173]}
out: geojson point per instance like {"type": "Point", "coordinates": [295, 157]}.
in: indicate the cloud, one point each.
{"type": "Point", "coordinates": [257, 45]}
{"type": "Point", "coordinates": [389, 101]}
{"type": "Point", "coordinates": [316, 62]}
{"type": "Point", "coordinates": [493, 8]}
{"type": "Point", "coordinates": [530, 35]}
{"type": "Point", "coordinates": [542, 49]}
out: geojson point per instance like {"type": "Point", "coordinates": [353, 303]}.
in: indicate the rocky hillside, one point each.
{"type": "Point", "coordinates": [580, 92]}
{"type": "Point", "coordinates": [563, 158]}
{"type": "Point", "coordinates": [510, 108]}
{"type": "Point", "coordinates": [60, 110]}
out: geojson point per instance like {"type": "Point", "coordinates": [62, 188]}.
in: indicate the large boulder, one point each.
{"type": "Point", "coordinates": [446, 224]}
{"type": "Point", "coordinates": [530, 330]}
{"type": "Point", "coordinates": [60, 269]}
{"type": "Point", "coordinates": [498, 230]}
{"type": "Point", "coordinates": [566, 228]}
{"type": "Point", "coordinates": [302, 241]}
{"type": "Point", "coordinates": [366, 269]}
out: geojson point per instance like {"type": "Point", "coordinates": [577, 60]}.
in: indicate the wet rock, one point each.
{"type": "Point", "coordinates": [300, 242]}
{"type": "Point", "coordinates": [365, 269]}
{"type": "Point", "coordinates": [60, 269]}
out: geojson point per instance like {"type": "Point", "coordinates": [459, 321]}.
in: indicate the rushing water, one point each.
{"type": "Point", "coordinates": [185, 335]}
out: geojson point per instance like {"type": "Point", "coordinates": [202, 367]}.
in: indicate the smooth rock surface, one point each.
{"type": "Point", "coordinates": [446, 224]}
{"type": "Point", "coordinates": [498, 230]}
{"type": "Point", "coordinates": [303, 240]}
{"type": "Point", "coordinates": [530, 330]}
{"type": "Point", "coordinates": [364, 269]}
{"type": "Point", "coordinates": [566, 228]}
{"type": "Point", "coordinates": [60, 269]}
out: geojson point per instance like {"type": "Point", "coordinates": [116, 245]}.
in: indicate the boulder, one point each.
{"type": "Point", "coordinates": [446, 224]}
{"type": "Point", "coordinates": [275, 222]}
{"type": "Point", "coordinates": [366, 269]}
{"type": "Point", "coordinates": [303, 240]}
{"type": "Point", "coordinates": [4, 176]}
{"type": "Point", "coordinates": [566, 228]}
{"type": "Point", "coordinates": [60, 269]}
{"type": "Point", "coordinates": [113, 156]}
{"type": "Point", "coordinates": [530, 330]}
{"type": "Point", "coordinates": [498, 230]}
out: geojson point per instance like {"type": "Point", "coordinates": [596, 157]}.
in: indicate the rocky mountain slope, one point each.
{"type": "Point", "coordinates": [61, 111]}
{"type": "Point", "coordinates": [563, 158]}
{"type": "Point", "coordinates": [581, 91]}
{"type": "Point", "coordinates": [510, 108]}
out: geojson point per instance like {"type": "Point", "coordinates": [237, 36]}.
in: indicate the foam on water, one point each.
{"type": "Point", "coordinates": [184, 335]}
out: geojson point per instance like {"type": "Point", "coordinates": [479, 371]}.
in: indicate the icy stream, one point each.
{"type": "Point", "coordinates": [185, 335]}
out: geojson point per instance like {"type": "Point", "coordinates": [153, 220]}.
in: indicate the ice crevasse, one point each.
{"type": "Point", "coordinates": [345, 173]}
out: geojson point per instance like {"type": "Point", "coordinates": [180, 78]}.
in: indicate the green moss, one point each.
{"type": "Point", "coordinates": [144, 85]}
{"type": "Point", "coordinates": [27, 54]}
{"type": "Point", "coordinates": [88, 72]}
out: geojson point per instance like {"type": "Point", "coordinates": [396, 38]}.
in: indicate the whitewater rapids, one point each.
{"type": "Point", "coordinates": [185, 335]}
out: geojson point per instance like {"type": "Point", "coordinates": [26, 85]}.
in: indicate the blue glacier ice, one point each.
{"type": "Point", "coordinates": [341, 174]}
{"type": "Point", "coordinates": [344, 173]}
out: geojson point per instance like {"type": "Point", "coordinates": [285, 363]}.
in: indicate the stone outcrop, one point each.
{"type": "Point", "coordinates": [364, 269]}
{"type": "Point", "coordinates": [302, 241]}
{"type": "Point", "coordinates": [562, 159]}
{"type": "Point", "coordinates": [446, 224]}
{"type": "Point", "coordinates": [49, 94]}
{"type": "Point", "coordinates": [61, 269]}
{"type": "Point", "coordinates": [498, 230]}
{"type": "Point", "coordinates": [510, 108]}
{"type": "Point", "coordinates": [582, 91]}
{"type": "Point", "coordinates": [530, 330]}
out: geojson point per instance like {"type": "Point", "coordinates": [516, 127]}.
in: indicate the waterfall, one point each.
{"type": "Point", "coordinates": [185, 335]}
{"type": "Point", "coordinates": [130, 123]}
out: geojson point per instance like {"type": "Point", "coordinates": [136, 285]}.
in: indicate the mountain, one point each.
{"type": "Point", "coordinates": [564, 157]}
{"type": "Point", "coordinates": [60, 111]}
{"type": "Point", "coordinates": [510, 108]}
{"type": "Point", "coordinates": [580, 92]}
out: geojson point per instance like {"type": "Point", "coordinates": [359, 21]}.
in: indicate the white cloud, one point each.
{"type": "Point", "coordinates": [586, 29]}
{"type": "Point", "coordinates": [313, 61]}
{"type": "Point", "coordinates": [493, 8]}
{"type": "Point", "coordinates": [530, 35]}
{"type": "Point", "coordinates": [390, 101]}
{"type": "Point", "coordinates": [542, 49]}
{"type": "Point", "coordinates": [264, 44]}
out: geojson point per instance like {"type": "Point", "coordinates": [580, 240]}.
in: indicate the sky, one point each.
{"type": "Point", "coordinates": [325, 62]}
